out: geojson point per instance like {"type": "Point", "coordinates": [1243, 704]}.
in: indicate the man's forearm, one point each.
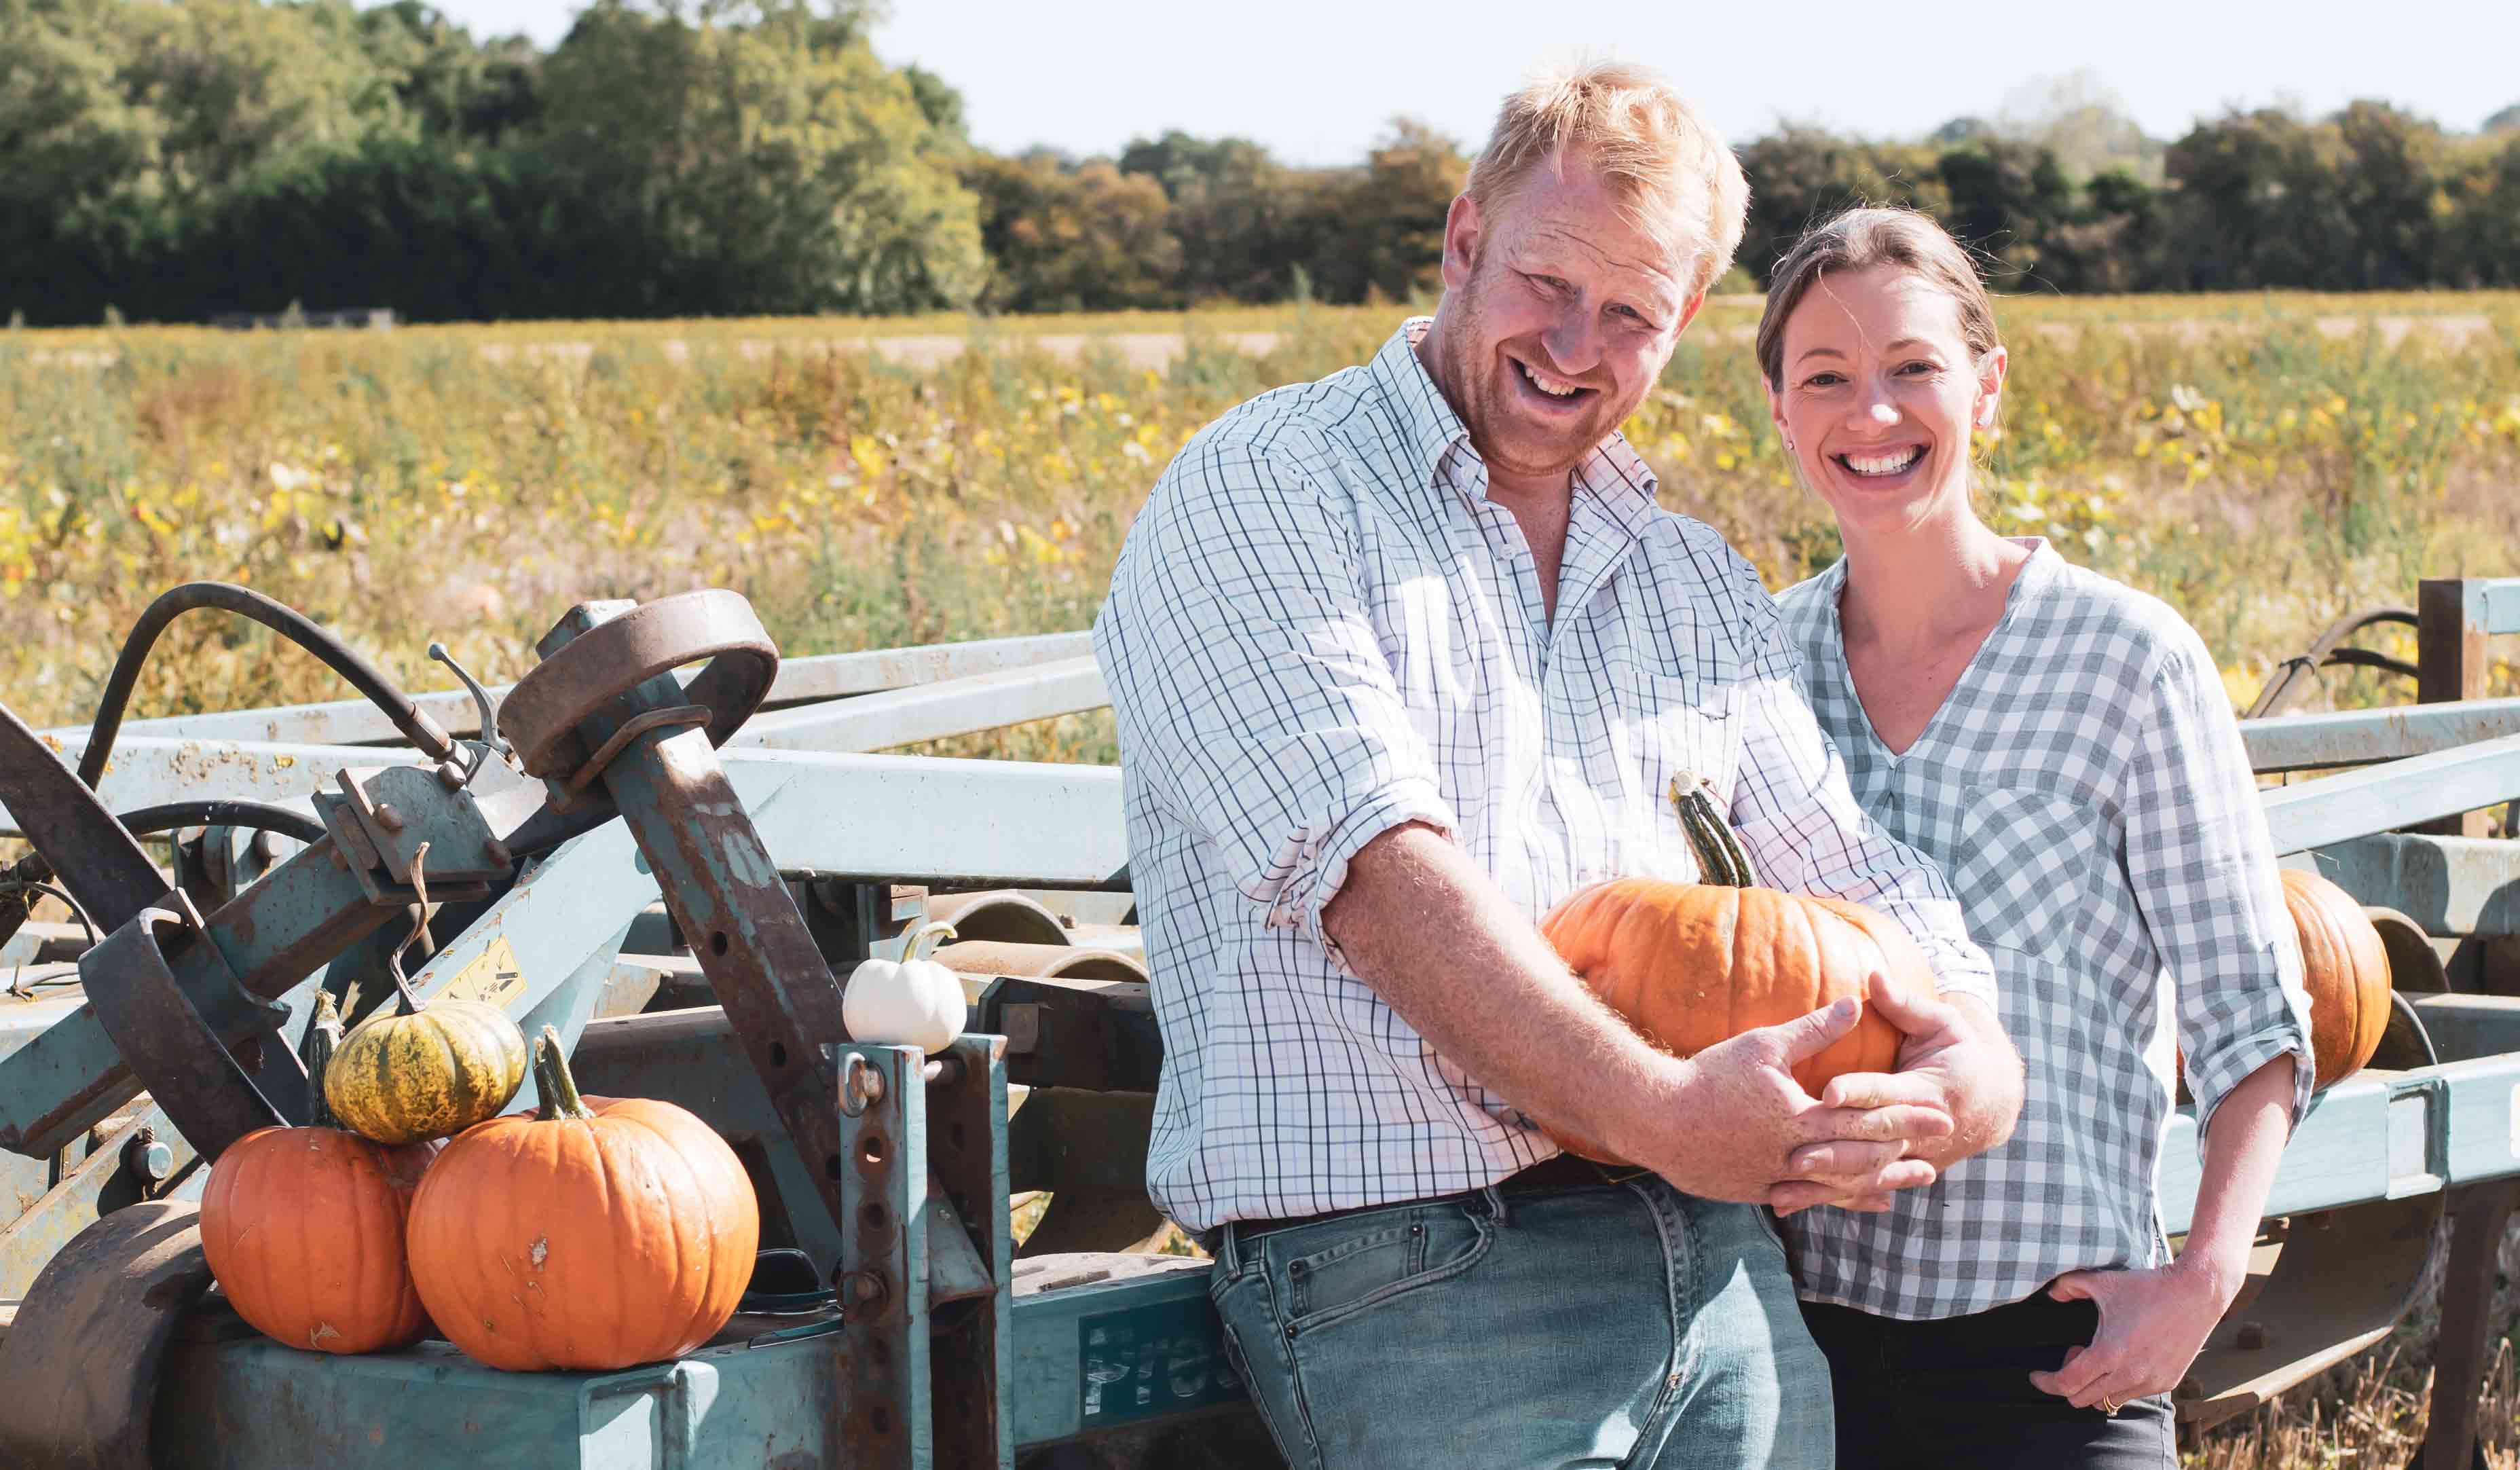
{"type": "Point", "coordinates": [1441, 944]}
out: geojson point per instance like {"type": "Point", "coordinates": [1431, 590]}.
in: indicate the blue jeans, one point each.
{"type": "Point", "coordinates": [1622, 1324]}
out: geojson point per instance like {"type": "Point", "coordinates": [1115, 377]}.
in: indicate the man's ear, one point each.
{"type": "Point", "coordinates": [1462, 236]}
{"type": "Point", "coordinates": [1689, 313]}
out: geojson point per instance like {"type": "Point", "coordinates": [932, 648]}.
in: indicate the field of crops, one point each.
{"type": "Point", "coordinates": [2265, 462]}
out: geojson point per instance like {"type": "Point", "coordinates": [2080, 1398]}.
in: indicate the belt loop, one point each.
{"type": "Point", "coordinates": [1496, 1204]}
{"type": "Point", "coordinates": [1229, 1259]}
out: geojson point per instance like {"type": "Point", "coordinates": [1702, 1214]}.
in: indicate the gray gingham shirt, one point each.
{"type": "Point", "coordinates": [1319, 627]}
{"type": "Point", "coordinates": [2085, 787]}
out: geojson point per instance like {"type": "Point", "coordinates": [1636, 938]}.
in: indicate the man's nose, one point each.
{"type": "Point", "coordinates": [1574, 344]}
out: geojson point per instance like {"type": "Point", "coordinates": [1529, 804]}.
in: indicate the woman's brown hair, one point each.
{"type": "Point", "coordinates": [1859, 240]}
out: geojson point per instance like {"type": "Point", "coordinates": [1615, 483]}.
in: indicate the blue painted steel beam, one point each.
{"type": "Point", "coordinates": [2381, 1135]}
{"type": "Point", "coordinates": [2452, 886]}
{"type": "Point", "coordinates": [150, 771]}
{"type": "Point", "coordinates": [928, 712]}
{"type": "Point", "coordinates": [926, 819]}
{"type": "Point", "coordinates": [2363, 737]}
{"type": "Point", "coordinates": [2493, 604]}
{"type": "Point", "coordinates": [2357, 804]}
{"type": "Point", "coordinates": [800, 681]}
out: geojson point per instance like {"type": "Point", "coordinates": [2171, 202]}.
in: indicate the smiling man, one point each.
{"type": "Point", "coordinates": [1402, 658]}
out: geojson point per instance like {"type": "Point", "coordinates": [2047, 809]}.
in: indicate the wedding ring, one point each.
{"type": "Point", "coordinates": [2109, 1408]}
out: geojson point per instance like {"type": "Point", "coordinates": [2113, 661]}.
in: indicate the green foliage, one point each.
{"type": "Point", "coordinates": [183, 159]}
{"type": "Point", "coordinates": [1073, 239]}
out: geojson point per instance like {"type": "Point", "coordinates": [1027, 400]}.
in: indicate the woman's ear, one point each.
{"type": "Point", "coordinates": [1776, 413]}
{"type": "Point", "coordinates": [1989, 386]}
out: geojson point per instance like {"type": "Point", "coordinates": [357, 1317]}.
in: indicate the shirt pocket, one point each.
{"type": "Point", "coordinates": [1671, 729]}
{"type": "Point", "coordinates": [2025, 866]}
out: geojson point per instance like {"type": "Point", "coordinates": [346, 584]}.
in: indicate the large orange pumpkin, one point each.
{"type": "Point", "coordinates": [1691, 964]}
{"type": "Point", "coordinates": [580, 1237]}
{"type": "Point", "coordinates": [2346, 970]}
{"type": "Point", "coordinates": [303, 1228]}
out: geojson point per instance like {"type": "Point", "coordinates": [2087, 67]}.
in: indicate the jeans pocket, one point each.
{"type": "Point", "coordinates": [1396, 1253]}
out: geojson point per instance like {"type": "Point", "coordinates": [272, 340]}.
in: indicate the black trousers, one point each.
{"type": "Point", "coordinates": [1955, 1394]}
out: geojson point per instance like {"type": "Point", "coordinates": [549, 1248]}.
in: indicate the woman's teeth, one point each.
{"type": "Point", "coordinates": [1883, 463]}
{"type": "Point", "coordinates": [1553, 387]}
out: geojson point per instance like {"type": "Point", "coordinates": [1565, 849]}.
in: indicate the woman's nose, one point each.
{"type": "Point", "coordinates": [1873, 409]}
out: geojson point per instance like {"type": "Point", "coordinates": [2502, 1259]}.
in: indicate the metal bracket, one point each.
{"type": "Point", "coordinates": [164, 1040]}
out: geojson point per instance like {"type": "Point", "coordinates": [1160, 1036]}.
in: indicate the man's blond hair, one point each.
{"type": "Point", "coordinates": [1673, 176]}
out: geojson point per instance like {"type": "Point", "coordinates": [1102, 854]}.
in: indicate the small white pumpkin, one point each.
{"type": "Point", "coordinates": [912, 1001]}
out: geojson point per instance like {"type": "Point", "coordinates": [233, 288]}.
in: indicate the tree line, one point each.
{"type": "Point", "coordinates": [174, 161]}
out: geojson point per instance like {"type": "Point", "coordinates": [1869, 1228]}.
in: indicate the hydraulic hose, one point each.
{"type": "Point", "coordinates": [413, 721]}
{"type": "Point", "coordinates": [149, 821]}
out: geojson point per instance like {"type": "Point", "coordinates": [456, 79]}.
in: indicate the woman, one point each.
{"type": "Point", "coordinates": [2062, 746]}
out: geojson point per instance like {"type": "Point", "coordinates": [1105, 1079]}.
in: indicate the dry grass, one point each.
{"type": "Point", "coordinates": [2370, 1410]}
{"type": "Point", "coordinates": [2263, 462]}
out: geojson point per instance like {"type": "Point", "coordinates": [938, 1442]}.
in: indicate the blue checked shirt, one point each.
{"type": "Point", "coordinates": [1320, 628]}
{"type": "Point", "coordinates": [2085, 787]}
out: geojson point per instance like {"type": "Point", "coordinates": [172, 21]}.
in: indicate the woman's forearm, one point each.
{"type": "Point", "coordinates": [2243, 1142]}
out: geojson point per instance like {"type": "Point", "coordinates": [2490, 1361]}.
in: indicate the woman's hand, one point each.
{"type": "Point", "coordinates": [2152, 1324]}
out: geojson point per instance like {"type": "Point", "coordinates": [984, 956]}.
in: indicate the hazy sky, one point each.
{"type": "Point", "coordinates": [1317, 79]}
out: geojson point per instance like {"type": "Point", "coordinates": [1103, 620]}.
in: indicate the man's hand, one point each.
{"type": "Point", "coordinates": [1739, 1116]}
{"type": "Point", "coordinates": [1955, 1058]}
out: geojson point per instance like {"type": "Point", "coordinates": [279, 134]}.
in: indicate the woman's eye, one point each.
{"type": "Point", "coordinates": [1822, 380]}
{"type": "Point", "coordinates": [1920, 366]}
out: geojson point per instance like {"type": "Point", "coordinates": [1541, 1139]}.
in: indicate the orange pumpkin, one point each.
{"type": "Point", "coordinates": [578, 1237]}
{"type": "Point", "coordinates": [1691, 964]}
{"type": "Point", "coordinates": [303, 1228]}
{"type": "Point", "coordinates": [2346, 970]}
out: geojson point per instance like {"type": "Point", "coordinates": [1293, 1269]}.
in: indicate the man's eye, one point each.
{"type": "Point", "coordinates": [1547, 283]}
{"type": "Point", "coordinates": [1632, 314]}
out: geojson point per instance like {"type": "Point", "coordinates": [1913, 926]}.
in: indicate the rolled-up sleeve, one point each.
{"type": "Point", "coordinates": [1804, 829]}
{"type": "Point", "coordinates": [2203, 870]}
{"type": "Point", "coordinates": [1248, 686]}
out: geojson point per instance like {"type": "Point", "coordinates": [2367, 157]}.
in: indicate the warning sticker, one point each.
{"type": "Point", "coordinates": [492, 977]}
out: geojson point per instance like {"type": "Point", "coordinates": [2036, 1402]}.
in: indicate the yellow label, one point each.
{"type": "Point", "coordinates": [493, 977]}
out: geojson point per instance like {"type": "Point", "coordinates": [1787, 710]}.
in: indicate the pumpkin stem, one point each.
{"type": "Point", "coordinates": [408, 1002]}
{"type": "Point", "coordinates": [558, 1089]}
{"type": "Point", "coordinates": [323, 1035]}
{"type": "Point", "coordinates": [910, 950]}
{"type": "Point", "coordinates": [1721, 860]}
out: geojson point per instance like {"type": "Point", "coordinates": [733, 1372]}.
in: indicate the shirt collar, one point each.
{"type": "Point", "coordinates": [1432, 434]}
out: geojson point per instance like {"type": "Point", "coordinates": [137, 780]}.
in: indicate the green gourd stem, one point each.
{"type": "Point", "coordinates": [323, 1035]}
{"type": "Point", "coordinates": [1721, 860]}
{"type": "Point", "coordinates": [552, 1080]}
{"type": "Point", "coordinates": [408, 1002]}
{"type": "Point", "coordinates": [910, 950]}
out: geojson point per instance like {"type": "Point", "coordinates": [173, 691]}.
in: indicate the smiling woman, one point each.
{"type": "Point", "coordinates": [2062, 744]}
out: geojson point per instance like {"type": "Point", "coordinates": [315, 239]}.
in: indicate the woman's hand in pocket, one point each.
{"type": "Point", "coordinates": [2152, 1324]}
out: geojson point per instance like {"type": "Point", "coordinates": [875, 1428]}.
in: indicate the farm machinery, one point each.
{"type": "Point", "coordinates": [667, 846]}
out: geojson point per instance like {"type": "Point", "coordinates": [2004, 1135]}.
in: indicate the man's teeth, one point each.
{"type": "Point", "coordinates": [1885, 464]}
{"type": "Point", "coordinates": [1548, 385]}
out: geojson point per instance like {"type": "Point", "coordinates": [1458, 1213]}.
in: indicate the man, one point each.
{"type": "Point", "coordinates": [1400, 659]}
